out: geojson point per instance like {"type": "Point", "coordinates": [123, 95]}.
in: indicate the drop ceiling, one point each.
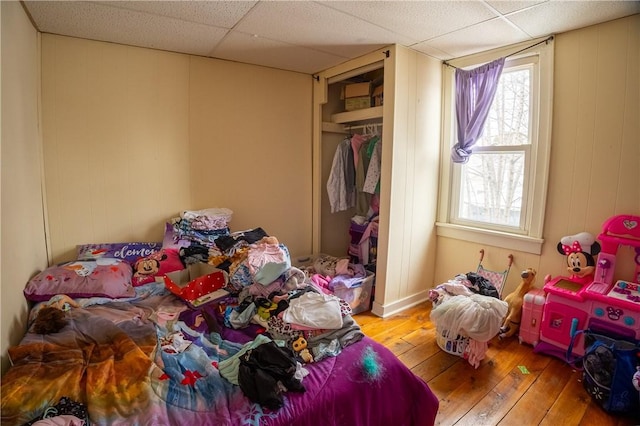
{"type": "Point", "coordinates": [311, 36]}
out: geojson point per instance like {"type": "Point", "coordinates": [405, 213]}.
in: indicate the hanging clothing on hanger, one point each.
{"type": "Point", "coordinates": [363, 200]}
{"type": "Point", "coordinates": [341, 183]}
{"type": "Point", "coordinates": [353, 178]}
{"type": "Point", "coordinates": [372, 179]}
{"type": "Point", "coordinates": [357, 141]}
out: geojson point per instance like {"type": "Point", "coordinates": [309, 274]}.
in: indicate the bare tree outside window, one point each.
{"type": "Point", "coordinates": [493, 181]}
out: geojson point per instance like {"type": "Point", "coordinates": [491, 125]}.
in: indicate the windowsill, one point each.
{"type": "Point", "coordinates": [493, 238]}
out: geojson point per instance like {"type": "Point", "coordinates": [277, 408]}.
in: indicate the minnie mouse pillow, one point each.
{"type": "Point", "coordinates": [146, 269]}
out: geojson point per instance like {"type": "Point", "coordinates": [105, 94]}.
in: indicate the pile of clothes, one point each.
{"type": "Point", "coordinates": [201, 227]}
{"type": "Point", "coordinates": [468, 305]}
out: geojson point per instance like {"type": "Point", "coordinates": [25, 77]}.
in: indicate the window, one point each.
{"type": "Point", "coordinates": [498, 196]}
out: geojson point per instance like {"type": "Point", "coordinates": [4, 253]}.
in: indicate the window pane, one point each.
{"type": "Point", "coordinates": [508, 120]}
{"type": "Point", "coordinates": [491, 188]}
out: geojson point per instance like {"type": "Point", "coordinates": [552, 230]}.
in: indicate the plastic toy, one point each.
{"type": "Point", "coordinates": [617, 231]}
{"type": "Point", "coordinates": [300, 347]}
{"type": "Point", "coordinates": [580, 250]}
{"type": "Point", "coordinates": [497, 278]}
{"type": "Point", "coordinates": [602, 306]}
{"type": "Point", "coordinates": [532, 307]}
{"type": "Point", "coordinates": [511, 323]}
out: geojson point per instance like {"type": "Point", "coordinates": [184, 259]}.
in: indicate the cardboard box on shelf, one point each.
{"type": "Point", "coordinates": [198, 284]}
{"type": "Point", "coordinates": [356, 90]}
{"type": "Point", "coordinates": [377, 96]}
{"type": "Point", "coordinates": [351, 104]}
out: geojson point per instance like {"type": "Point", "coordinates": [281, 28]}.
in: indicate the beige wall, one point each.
{"type": "Point", "coordinates": [23, 250]}
{"type": "Point", "coordinates": [595, 151]}
{"type": "Point", "coordinates": [133, 136]}
{"type": "Point", "coordinates": [116, 136]}
{"type": "Point", "coordinates": [250, 147]}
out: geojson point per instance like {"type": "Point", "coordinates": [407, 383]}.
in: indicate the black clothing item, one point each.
{"type": "Point", "coordinates": [262, 368]}
{"type": "Point", "coordinates": [482, 286]}
{"type": "Point", "coordinates": [282, 306]}
{"type": "Point", "coordinates": [225, 242]}
{"type": "Point", "coordinates": [194, 253]}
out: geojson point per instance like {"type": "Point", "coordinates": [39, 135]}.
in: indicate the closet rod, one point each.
{"type": "Point", "coordinates": [361, 126]}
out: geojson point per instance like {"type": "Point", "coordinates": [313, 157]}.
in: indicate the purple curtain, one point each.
{"type": "Point", "coordinates": [475, 90]}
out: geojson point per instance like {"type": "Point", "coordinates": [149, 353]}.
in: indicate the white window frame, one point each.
{"type": "Point", "coordinates": [529, 237]}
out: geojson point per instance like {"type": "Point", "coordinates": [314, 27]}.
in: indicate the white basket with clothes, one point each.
{"type": "Point", "coordinates": [468, 312]}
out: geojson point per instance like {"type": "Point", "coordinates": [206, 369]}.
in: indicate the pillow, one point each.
{"type": "Point", "coordinates": [163, 261]}
{"type": "Point", "coordinates": [129, 252]}
{"type": "Point", "coordinates": [82, 278]}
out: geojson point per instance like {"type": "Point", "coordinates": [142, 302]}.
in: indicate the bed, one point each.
{"type": "Point", "coordinates": [148, 357]}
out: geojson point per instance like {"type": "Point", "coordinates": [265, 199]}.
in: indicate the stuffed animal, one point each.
{"type": "Point", "coordinates": [49, 317]}
{"type": "Point", "coordinates": [300, 347]}
{"type": "Point", "coordinates": [580, 250]}
{"type": "Point", "coordinates": [268, 240]}
{"type": "Point", "coordinates": [62, 302]}
{"type": "Point", "coordinates": [511, 323]}
{"type": "Point", "coordinates": [49, 320]}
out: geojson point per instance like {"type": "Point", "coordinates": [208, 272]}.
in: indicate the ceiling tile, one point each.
{"type": "Point", "coordinates": [418, 20]}
{"type": "Point", "coordinates": [310, 36]}
{"type": "Point", "coordinates": [98, 22]}
{"type": "Point", "coordinates": [560, 16]}
{"type": "Point", "coordinates": [315, 26]}
{"type": "Point", "coordinates": [245, 48]}
{"type": "Point", "coordinates": [477, 38]}
{"type": "Point", "coordinates": [505, 7]}
{"type": "Point", "coordinates": [425, 48]}
{"type": "Point", "coordinates": [223, 14]}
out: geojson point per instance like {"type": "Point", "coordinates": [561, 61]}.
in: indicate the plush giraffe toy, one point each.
{"type": "Point", "coordinates": [511, 323]}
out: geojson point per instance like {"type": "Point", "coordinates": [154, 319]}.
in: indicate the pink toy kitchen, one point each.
{"type": "Point", "coordinates": [596, 301]}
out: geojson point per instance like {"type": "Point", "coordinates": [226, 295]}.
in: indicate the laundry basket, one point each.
{"type": "Point", "coordinates": [454, 345]}
{"type": "Point", "coordinates": [452, 342]}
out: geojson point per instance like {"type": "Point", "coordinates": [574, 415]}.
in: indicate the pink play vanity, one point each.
{"type": "Point", "coordinates": [611, 308]}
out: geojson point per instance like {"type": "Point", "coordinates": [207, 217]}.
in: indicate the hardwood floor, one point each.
{"type": "Point", "coordinates": [547, 391]}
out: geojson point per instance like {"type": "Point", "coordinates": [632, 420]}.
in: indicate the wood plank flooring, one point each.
{"type": "Point", "coordinates": [498, 392]}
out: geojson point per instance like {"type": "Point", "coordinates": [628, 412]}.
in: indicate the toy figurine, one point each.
{"type": "Point", "coordinates": [300, 347]}
{"type": "Point", "coordinates": [580, 250]}
{"type": "Point", "coordinates": [511, 323]}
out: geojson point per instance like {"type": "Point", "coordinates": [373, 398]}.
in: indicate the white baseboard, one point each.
{"type": "Point", "coordinates": [399, 305]}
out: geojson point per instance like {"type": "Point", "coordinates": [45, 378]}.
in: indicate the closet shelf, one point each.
{"type": "Point", "coordinates": [333, 127]}
{"type": "Point", "coordinates": [357, 115]}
